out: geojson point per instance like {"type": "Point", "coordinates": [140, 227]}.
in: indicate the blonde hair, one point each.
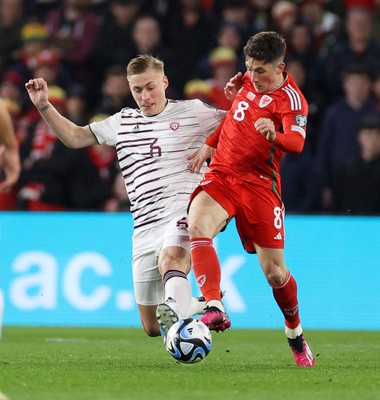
{"type": "Point", "coordinates": [143, 62]}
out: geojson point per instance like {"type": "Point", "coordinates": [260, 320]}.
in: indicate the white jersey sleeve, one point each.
{"type": "Point", "coordinates": [209, 117]}
{"type": "Point", "coordinates": [106, 130]}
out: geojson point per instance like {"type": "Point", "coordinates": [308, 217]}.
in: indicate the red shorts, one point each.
{"type": "Point", "coordinates": [258, 211]}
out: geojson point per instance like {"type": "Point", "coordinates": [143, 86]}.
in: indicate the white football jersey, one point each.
{"type": "Point", "coordinates": [152, 154]}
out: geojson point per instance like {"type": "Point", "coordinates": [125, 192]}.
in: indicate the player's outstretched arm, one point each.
{"type": "Point", "coordinates": [68, 133]}
{"type": "Point", "coordinates": [9, 155]}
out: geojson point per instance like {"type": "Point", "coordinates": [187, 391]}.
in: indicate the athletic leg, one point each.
{"type": "Point", "coordinates": [284, 289]}
{"type": "Point", "coordinates": [206, 219]}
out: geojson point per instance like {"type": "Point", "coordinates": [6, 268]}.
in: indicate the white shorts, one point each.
{"type": "Point", "coordinates": [147, 245]}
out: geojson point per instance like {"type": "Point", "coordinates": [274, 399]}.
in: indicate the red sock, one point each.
{"type": "Point", "coordinates": [206, 267]}
{"type": "Point", "coordinates": [286, 297]}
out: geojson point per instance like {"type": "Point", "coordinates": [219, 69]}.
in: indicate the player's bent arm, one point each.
{"type": "Point", "coordinates": [70, 134]}
{"type": "Point", "coordinates": [290, 142]}
{"type": "Point", "coordinates": [293, 138]}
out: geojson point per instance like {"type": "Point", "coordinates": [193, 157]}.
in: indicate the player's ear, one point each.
{"type": "Point", "coordinates": [166, 81]}
{"type": "Point", "coordinates": [280, 67]}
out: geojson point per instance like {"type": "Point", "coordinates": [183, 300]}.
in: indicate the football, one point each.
{"type": "Point", "coordinates": [189, 341]}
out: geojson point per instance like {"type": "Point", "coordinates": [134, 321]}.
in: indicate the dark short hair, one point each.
{"type": "Point", "coordinates": [267, 46]}
{"type": "Point", "coordinates": [370, 121]}
{"type": "Point", "coordinates": [356, 69]}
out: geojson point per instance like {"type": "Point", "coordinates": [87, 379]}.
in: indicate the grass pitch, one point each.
{"type": "Point", "coordinates": [115, 364]}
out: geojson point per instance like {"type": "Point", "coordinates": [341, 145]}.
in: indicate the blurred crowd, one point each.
{"type": "Point", "coordinates": [81, 48]}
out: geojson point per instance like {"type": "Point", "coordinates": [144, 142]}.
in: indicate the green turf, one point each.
{"type": "Point", "coordinates": [92, 364]}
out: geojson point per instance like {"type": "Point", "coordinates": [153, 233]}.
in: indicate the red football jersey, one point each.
{"type": "Point", "coordinates": [244, 152]}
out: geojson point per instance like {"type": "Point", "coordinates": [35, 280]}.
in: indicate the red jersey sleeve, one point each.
{"type": "Point", "coordinates": [290, 142]}
{"type": "Point", "coordinates": [293, 110]}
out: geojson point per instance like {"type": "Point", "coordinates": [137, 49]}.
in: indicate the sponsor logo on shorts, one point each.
{"type": "Point", "coordinates": [278, 236]}
{"type": "Point", "coordinates": [182, 224]}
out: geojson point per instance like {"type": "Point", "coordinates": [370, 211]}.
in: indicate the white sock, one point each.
{"type": "Point", "coordinates": [178, 295]}
{"type": "Point", "coordinates": [196, 307]}
{"type": "Point", "coordinates": [293, 333]}
{"type": "Point", "coordinates": [217, 304]}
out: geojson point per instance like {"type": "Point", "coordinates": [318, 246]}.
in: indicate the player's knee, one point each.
{"type": "Point", "coordinates": [180, 262]}
{"type": "Point", "coordinates": [274, 274]}
{"type": "Point", "coordinates": [276, 277]}
{"type": "Point", "coordinates": [198, 228]}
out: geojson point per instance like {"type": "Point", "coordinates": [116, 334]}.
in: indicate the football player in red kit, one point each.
{"type": "Point", "coordinates": [268, 117]}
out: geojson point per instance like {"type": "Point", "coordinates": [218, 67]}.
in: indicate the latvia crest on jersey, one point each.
{"type": "Point", "coordinates": [174, 124]}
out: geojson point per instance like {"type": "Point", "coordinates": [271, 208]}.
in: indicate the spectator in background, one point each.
{"type": "Point", "coordinates": [229, 35]}
{"type": "Point", "coordinates": [223, 63]}
{"type": "Point", "coordinates": [147, 39]}
{"type": "Point", "coordinates": [356, 184]}
{"type": "Point", "coordinates": [325, 25]}
{"type": "Point", "coordinates": [375, 9]}
{"type": "Point", "coordinates": [284, 15]}
{"type": "Point", "coordinates": [73, 30]}
{"type": "Point", "coordinates": [77, 105]}
{"type": "Point", "coordinates": [12, 93]}
{"type": "Point", "coordinates": [314, 97]}
{"type": "Point", "coordinates": [198, 89]}
{"type": "Point", "coordinates": [11, 22]}
{"type": "Point", "coordinates": [302, 46]}
{"type": "Point", "coordinates": [116, 93]}
{"type": "Point", "coordinates": [300, 194]}
{"type": "Point", "coordinates": [359, 47]}
{"type": "Point", "coordinates": [337, 140]}
{"type": "Point", "coordinates": [48, 66]}
{"type": "Point", "coordinates": [38, 60]}
{"type": "Point", "coordinates": [190, 34]}
{"type": "Point", "coordinates": [260, 15]}
{"type": "Point", "coordinates": [237, 12]}
{"type": "Point", "coordinates": [91, 187]}
{"type": "Point", "coordinates": [375, 88]}
{"type": "Point", "coordinates": [34, 39]}
{"type": "Point", "coordinates": [114, 40]}
{"type": "Point", "coordinates": [46, 165]}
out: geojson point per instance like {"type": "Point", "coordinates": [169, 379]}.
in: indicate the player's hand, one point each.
{"type": "Point", "coordinates": [266, 127]}
{"type": "Point", "coordinates": [232, 86]}
{"type": "Point", "coordinates": [38, 91]}
{"type": "Point", "coordinates": [10, 166]}
{"type": "Point", "coordinates": [198, 158]}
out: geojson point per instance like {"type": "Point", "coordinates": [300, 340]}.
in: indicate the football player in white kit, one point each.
{"type": "Point", "coordinates": [157, 147]}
